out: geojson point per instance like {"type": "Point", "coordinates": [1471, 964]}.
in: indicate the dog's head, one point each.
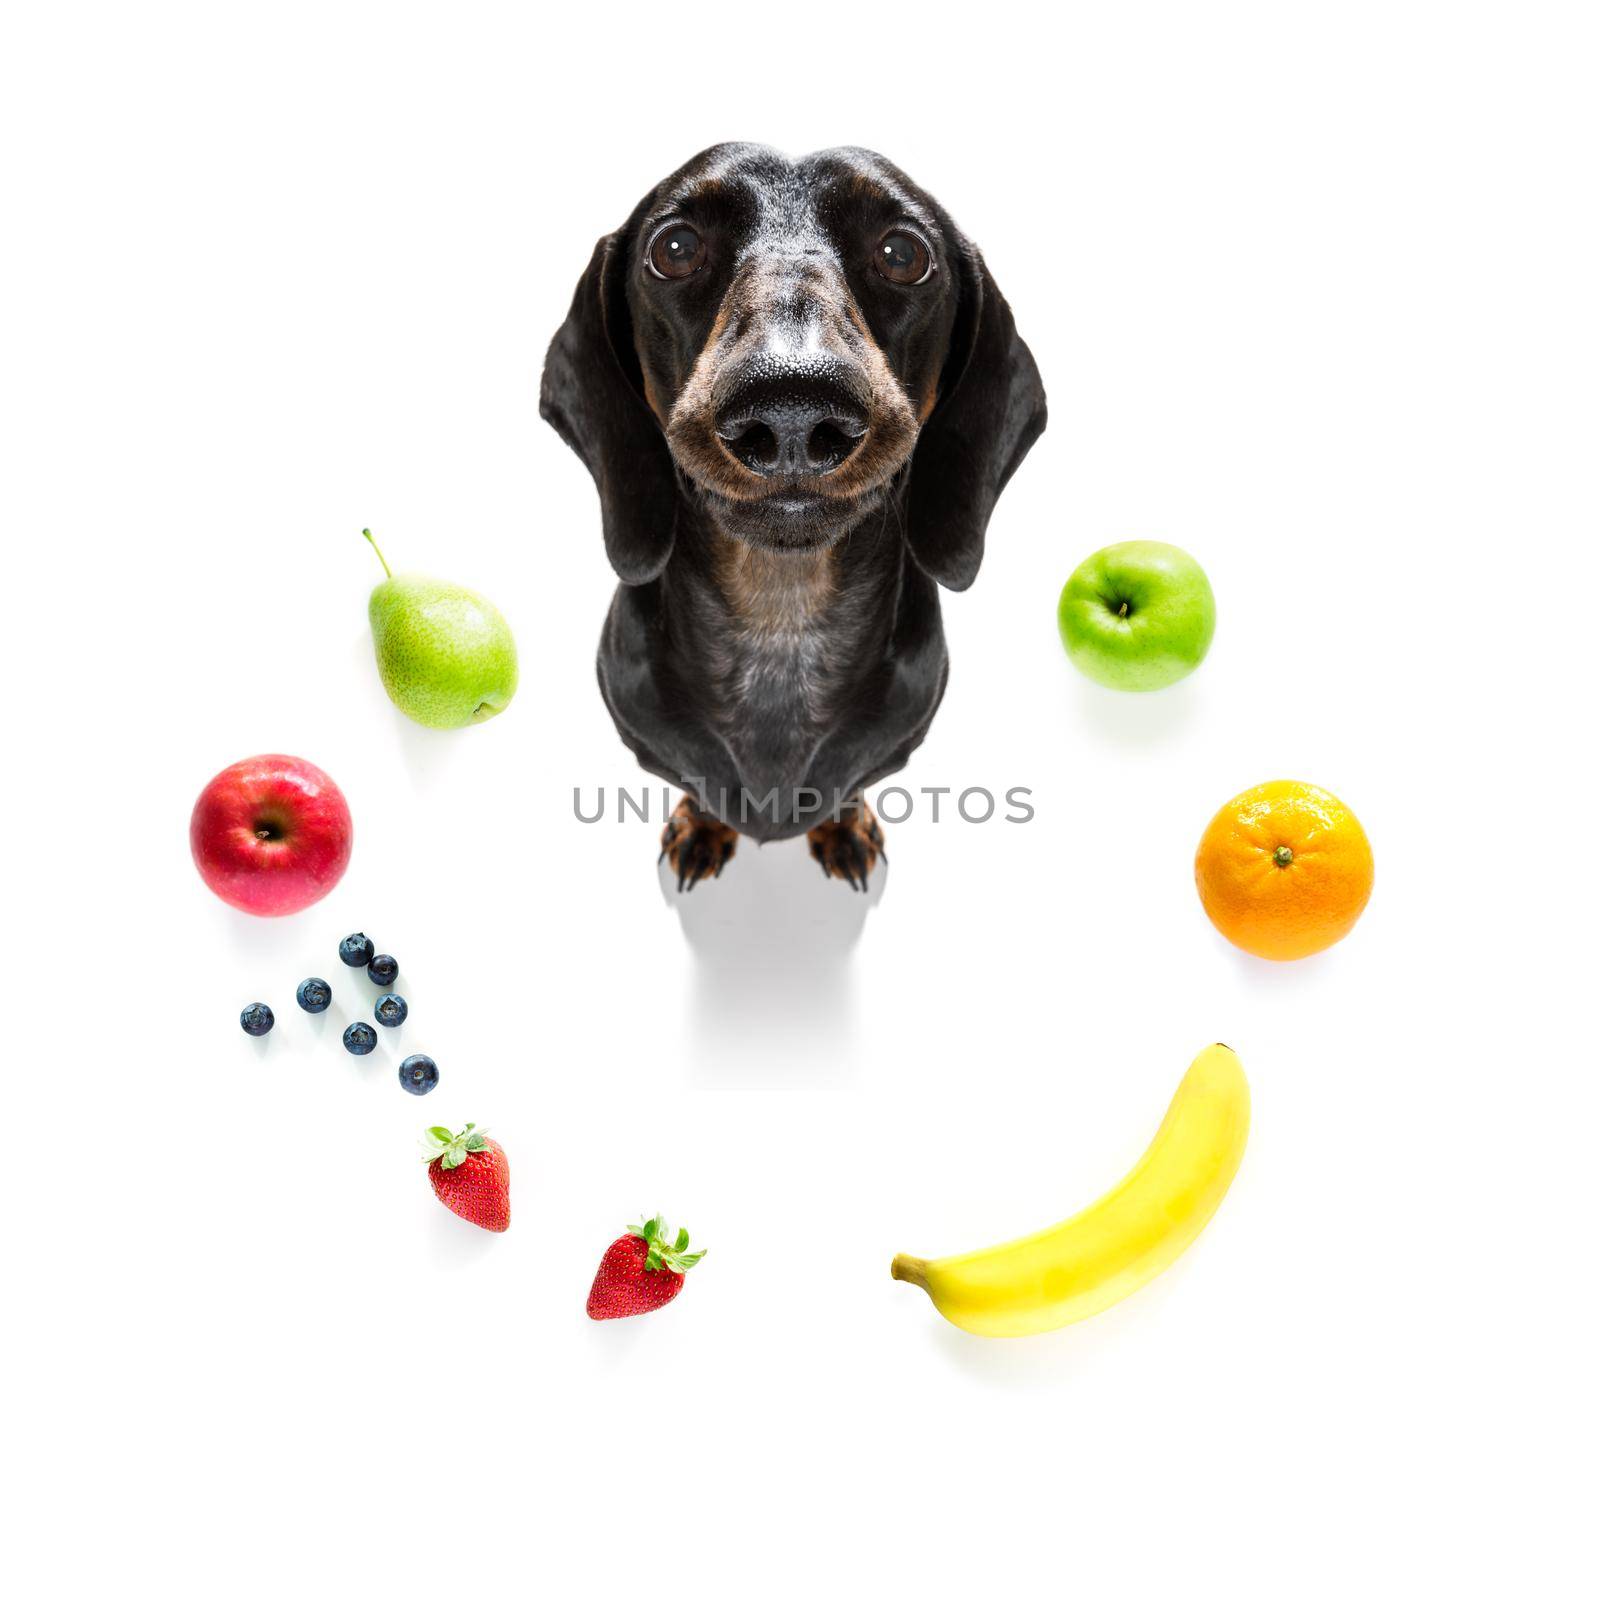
{"type": "Point", "coordinates": [788, 337]}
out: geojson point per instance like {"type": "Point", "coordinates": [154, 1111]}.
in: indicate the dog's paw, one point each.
{"type": "Point", "coordinates": [850, 847]}
{"type": "Point", "coordinates": [696, 845]}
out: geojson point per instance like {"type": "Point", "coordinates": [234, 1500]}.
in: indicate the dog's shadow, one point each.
{"type": "Point", "coordinates": [774, 991]}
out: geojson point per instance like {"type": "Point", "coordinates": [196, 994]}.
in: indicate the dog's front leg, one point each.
{"type": "Point", "coordinates": [696, 844]}
{"type": "Point", "coordinates": [850, 845]}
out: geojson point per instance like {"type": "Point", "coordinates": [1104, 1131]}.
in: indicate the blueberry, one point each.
{"type": "Point", "coordinates": [360, 1039]}
{"type": "Point", "coordinates": [390, 1010]}
{"type": "Point", "coordinates": [314, 995]}
{"type": "Point", "coordinates": [356, 951]}
{"type": "Point", "coordinates": [418, 1074]}
{"type": "Point", "coordinates": [383, 970]}
{"type": "Point", "coordinates": [256, 1019]}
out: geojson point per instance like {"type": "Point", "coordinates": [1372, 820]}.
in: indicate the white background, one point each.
{"type": "Point", "coordinates": [1314, 294]}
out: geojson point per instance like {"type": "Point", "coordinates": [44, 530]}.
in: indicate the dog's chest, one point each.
{"type": "Point", "coordinates": [789, 632]}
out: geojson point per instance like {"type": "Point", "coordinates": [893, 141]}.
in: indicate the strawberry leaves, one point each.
{"type": "Point", "coordinates": [451, 1149]}
{"type": "Point", "coordinates": [660, 1256]}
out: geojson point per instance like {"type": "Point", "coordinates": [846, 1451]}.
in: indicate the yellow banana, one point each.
{"type": "Point", "coordinates": [1123, 1240]}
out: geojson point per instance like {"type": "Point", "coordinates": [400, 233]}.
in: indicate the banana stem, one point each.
{"type": "Point", "coordinates": [909, 1269]}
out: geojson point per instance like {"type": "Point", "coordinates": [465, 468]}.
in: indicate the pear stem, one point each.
{"type": "Point", "coordinates": [366, 533]}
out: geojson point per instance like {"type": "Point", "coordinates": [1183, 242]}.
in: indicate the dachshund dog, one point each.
{"type": "Point", "coordinates": [799, 394]}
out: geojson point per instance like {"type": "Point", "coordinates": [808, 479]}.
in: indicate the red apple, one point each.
{"type": "Point", "coordinates": [271, 835]}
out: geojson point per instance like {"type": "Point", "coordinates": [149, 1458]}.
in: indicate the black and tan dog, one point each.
{"type": "Point", "coordinates": [799, 393]}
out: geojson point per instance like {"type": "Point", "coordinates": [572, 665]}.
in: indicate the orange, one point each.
{"type": "Point", "coordinates": [1284, 870]}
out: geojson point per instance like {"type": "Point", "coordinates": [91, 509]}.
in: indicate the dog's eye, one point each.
{"type": "Point", "coordinates": [903, 257]}
{"type": "Point", "coordinates": [676, 251]}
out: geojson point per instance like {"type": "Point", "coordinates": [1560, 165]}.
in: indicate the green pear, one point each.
{"type": "Point", "coordinates": [445, 654]}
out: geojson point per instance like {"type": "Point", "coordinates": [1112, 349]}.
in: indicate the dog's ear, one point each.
{"type": "Point", "coordinates": [592, 395]}
{"type": "Point", "coordinates": [990, 409]}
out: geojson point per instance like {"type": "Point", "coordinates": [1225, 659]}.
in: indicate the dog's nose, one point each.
{"type": "Point", "coordinates": [792, 424]}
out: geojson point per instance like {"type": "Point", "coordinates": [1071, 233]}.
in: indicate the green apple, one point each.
{"type": "Point", "coordinates": [1138, 615]}
{"type": "Point", "coordinates": [445, 654]}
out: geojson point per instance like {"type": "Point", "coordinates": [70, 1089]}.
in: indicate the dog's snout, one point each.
{"type": "Point", "coordinates": [792, 421]}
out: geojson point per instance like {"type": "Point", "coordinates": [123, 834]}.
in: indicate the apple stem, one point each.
{"type": "Point", "coordinates": [1124, 611]}
{"type": "Point", "coordinates": [366, 533]}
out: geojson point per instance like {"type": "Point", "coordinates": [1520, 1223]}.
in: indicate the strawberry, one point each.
{"type": "Point", "coordinates": [640, 1272]}
{"type": "Point", "coordinates": [470, 1173]}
